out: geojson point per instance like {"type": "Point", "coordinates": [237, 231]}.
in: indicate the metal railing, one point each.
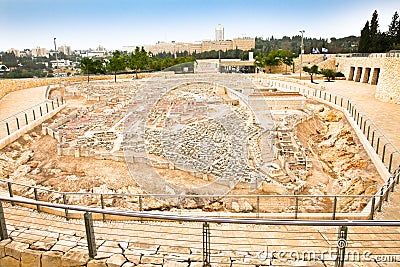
{"type": "Point", "coordinates": [16, 121]}
{"type": "Point", "coordinates": [199, 240]}
{"type": "Point", "coordinates": [330, 207]}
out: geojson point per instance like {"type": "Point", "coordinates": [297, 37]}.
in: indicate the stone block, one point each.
{"type": "Point", "coordinates": [97, 263]}
{"type": "Point", "coordinates": [152, 259]}
{"type": "Point", "coordinates": [3, 244]}
{"type": "Point", "coordinates": [31, 258]}
{"type": "Point", "coordinates": [169, 263]}
{"type": "Point", "coordinates": [51, 259]}
{"type": "Point", "coordinates": [116, 260]}
{"type": "Point", "coordinates": [75, 257]}
{"type": "Point", "coordinates": [132, 256]}
{"type": "Point", "coordinates": [107, 249]}
{"type": "Point", "coordinates": [128, 264]}
{"type": "Point", "coordinates": [14, 249]}
{"type": "Point", "coordinates": [8, 261]}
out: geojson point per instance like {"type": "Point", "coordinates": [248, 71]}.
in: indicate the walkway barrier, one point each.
{"type": "Point", "coordinates": [323, 207]}
{"type": "Point", "coordinates": [172, 240]}
{"type": "Point", "coordinates": [15, 122]}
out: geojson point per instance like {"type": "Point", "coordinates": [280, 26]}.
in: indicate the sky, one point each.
{"type": "Point", "coordinates": [84, 24]}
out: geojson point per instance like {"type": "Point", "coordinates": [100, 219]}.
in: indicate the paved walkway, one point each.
{"type": "Point", "coordinates": [20, 100]}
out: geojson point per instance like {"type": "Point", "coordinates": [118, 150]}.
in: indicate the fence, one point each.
{"type": "Point", "coordinates": [15, 122]}
{"type": "Point", "coordinates": [330, 207]}
{"type": "Point", "coordinates": [168, 240]}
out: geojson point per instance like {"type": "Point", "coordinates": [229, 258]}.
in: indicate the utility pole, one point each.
{"type": "Point", "coordinates": [301, 52]}
{"type": "Point", "coordinates": [55, 51]}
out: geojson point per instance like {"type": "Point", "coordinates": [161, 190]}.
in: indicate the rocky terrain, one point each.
{"type": "Point", "coordinates": [340, 165]}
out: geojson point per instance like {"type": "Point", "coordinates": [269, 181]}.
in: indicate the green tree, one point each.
{"type": "Point", "coordinates": [116, 63]}
{"type": "Point", "coordinates": [87, 65]}
{"type": "Point", "coordinates": [329, 74]}
{"type": "Point", "coordinates": [287, 57]}
{"type": "Point", "coordinates": [139, 60]}
{"type": "Point", "coordinates": [313, 70]}
{"type": "Point", "coordinates": [394, 29]}
{"type": "Point", "coordinates": [365, 39]}
{"type": "Point", "coordinates": [374, 34]}
{"type": "Point", "coordinates": [272, 59]}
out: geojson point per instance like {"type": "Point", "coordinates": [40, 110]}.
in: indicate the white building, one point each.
{"type": "Point", "coordinates": [62, 63]}
{"type": "Point", "coordinates": [219, 33]}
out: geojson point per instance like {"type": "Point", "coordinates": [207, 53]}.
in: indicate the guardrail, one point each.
{"type": "Point", "coordinates": [195, 241]}
{"type": "Point", "coordinates": [15, 122]}
{"type": "Point", "coordinates": [330, 207]}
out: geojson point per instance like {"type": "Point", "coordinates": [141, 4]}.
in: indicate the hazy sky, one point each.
{"type": "Point", "coordinates": [86, 24]}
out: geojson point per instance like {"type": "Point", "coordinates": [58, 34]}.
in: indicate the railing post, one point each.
{"type": "Point", "coordinates": [34, 115]}
{"type": "Point", "coordinates": [47, 108]}
{"type": "Point", "coordinates": [26, 119]}
{"type": "Point", "coordinates": [383, 153]}
{"type": "Point", "coordinates": [52, 104]}
{"type": "Point", "coordinates": [258, 206]}
{"type": "Point", "coordinates": [387, 191]}
{"type": "Point", "coordinates": [17, 122]}
{"type": "Point", "coordinates": [141, 206]}
{"type": "Point", "coordinates": [65, 203]}
{"type": "Point", "coordinates": [36, 199]}
{"type": "Point", "coordinates": [206, 245]}
{"type": "Point", "coordinates": [380, 200]}
{"type": "Point", "coordinates": [10, 192]}
{"type": "Point", "coordinates": [369, 127]}
{"type": "Point", "coordinates": [296, 209]}
{"type": "Point", "coordinates": [334, 208]}
{"type": "Point", "coordinates": [102, 206]}
{"type": "Point", "coordinates": [40, 110]}
{"type": "Point", "coordinates": [377, 145]}
{"type": "Point", "coordinates": [390, 162]}
{"type": "Point", "coordinates": [8, 128]}
{"type": "Point", "coordinates": [3, 226]}
{"type": "Point", "coordinates": [341, 246]}
{"type": "Point", "coordinates": [90, 234]}
{"type": "Point", "coordinates": [58, 104]}
{"type": "Point", "coordinates": [371, 216]}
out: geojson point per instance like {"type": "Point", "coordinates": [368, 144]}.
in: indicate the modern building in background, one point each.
{"type": "Point", "coordinates": [39, 52]}
{"type": "Point", "coordinates": [219, 33]}
{"type": "Point", "coordinates": [65, 49]}
{"type": "Point", "coordinates": [245, 44]}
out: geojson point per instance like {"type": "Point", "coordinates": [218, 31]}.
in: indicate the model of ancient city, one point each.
{"type": "Point", "coordinates": [193, 134]}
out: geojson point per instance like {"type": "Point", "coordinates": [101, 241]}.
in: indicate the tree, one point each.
{"type": "Point", "coordinates": [116, 63]}
{"type": "Point", "coordinates": [138, 60]}
{"type": "Point", "coordinates": [329, 74]}
{"type": "Point", "coordinates": [287, 57]}
{"type": "Point", "coordinates": [365, 39]}
{"type": "Point", "coordinates": [87, 65]}
{"type": "Point", "coordinates": [373, 33]}
{"type": "Point", "coordinates": [313, 70]}
{"type": "Point", "coordinates": [394, 29]}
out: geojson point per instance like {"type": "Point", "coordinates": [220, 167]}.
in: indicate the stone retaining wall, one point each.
{"type": "Point", "coordinates": [10, 85]}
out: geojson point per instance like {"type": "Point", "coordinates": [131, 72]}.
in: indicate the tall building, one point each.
{"type": "Point", "coordinates": [15, 51]}
{"type": "Point", "coordinates": [219, 33]}
{"type": "Point", "coordinates": [65, 49]}
{"type": "Point", "coordinates": [39, 52]}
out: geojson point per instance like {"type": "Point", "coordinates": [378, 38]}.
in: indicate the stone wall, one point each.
{"type": "Point", "coordinates": [10, 85]}
{"type": "Point", "coordinates": [375, 69]}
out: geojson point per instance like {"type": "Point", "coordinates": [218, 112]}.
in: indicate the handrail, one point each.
{"type": "Point", "coordinates": [171, 195]}
{"type": "Point", "coordinates": [184, 218]}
